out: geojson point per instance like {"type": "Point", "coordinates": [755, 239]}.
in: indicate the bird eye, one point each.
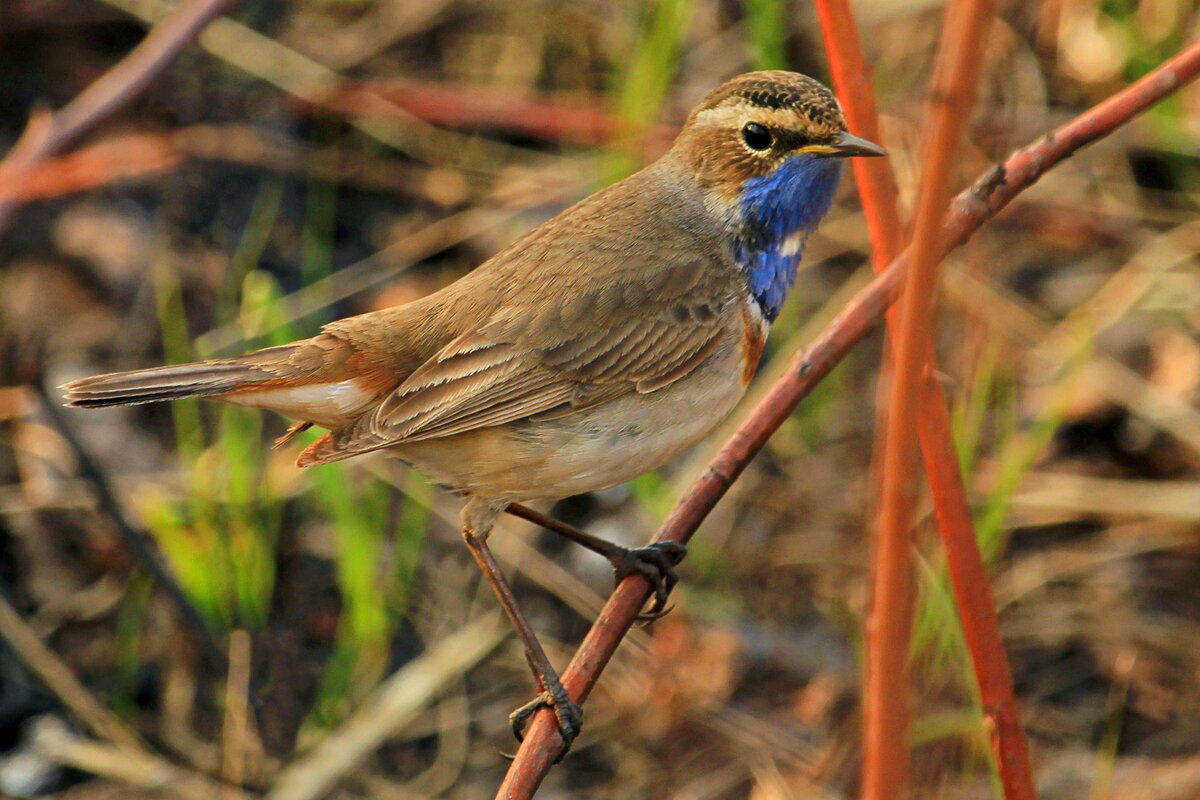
{"type": "Point", "coordinates": [756, 136]}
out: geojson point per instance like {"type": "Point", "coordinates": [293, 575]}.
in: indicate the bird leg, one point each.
{"type": "Point", "coordinates": [656, 561]}
{"type": "Point", "coordinates": [478, 517]}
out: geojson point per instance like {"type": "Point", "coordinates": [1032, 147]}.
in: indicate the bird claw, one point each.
{"type": "Point", "coordinates": [567, 712]}
{"type": "Point", "coordinates": [656, 562]}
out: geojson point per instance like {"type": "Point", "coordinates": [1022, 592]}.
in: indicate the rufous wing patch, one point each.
{"type": "Point", "coordinates": [754, 338]}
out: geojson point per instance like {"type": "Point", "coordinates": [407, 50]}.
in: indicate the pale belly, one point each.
{"type": "Point", "coordinates": [592, 449]}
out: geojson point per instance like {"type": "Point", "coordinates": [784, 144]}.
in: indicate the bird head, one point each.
{"type": "Point", "coordinates": [766, 150]}
{"type": "Point", "coordinates": [758, 122]}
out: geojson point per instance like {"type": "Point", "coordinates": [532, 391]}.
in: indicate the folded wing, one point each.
{"type": "Point", "coordinates": [536, 361]}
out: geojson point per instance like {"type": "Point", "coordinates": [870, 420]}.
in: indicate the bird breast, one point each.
{"type": "Point", "coordinates": [604, 445]}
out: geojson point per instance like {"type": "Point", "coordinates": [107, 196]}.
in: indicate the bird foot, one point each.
{"type": "Point", "coordinates": [568, 713]}
{"type": "Point", "coordinates": [656, 562]}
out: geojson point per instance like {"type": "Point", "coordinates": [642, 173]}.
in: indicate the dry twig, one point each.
{"type": "Point", "coordinates": [315, 84]}
{"type": "Point", "coordinates": [134, 767]}
{"type": "Point", "coordinates": [393, 704]}
{"type": "Point", "coordinates": [234, 733]}
{"type": "Point", "coordinates": [49, 134]}
{"type": "Point", "coordinates": [60, 680]}
{"type": "Point", "coordinates": [122, 757]}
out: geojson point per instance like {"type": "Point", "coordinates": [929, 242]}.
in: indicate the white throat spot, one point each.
{"type": "Point", "coordinates": [793, 243]}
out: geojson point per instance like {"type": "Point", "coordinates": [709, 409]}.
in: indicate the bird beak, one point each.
{"type": "Point", "coordinates": [844, 146]}
{"type": "Point", "coordinates": [848, 144]}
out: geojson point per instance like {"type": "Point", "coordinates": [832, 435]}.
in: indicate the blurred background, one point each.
{"type": "Point", "coordinates": [321, 158]}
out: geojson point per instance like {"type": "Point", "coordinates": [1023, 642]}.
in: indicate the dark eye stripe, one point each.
{"type": "Point", "coordinates": [793, 140]}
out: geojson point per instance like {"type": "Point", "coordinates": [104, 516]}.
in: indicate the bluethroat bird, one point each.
{"type": "Point", "coordinates": [596, 347]}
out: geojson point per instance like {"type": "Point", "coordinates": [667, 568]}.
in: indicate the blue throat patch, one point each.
{"type": "Point", "coordinates": [791, 200]}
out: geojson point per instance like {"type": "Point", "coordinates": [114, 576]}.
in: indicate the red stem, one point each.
{"type": "Point", "coordinates": [969, 211]}
{"type": "Point", "coordinates": [977, 608]}
{"type": "Point", "coordinates": [543, 115]}
{"type": "Point", "coordinates": [885, 705]}
{"type": "Point", "coordinates": [851, 79]}
{"type": "Point", "coordinates": [852, 84]}
{"type": "Point", "coordinates": [880, 201]}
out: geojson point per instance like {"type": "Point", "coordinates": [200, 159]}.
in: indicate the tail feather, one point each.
{"type": "Point", "coordinates": [161, 383]}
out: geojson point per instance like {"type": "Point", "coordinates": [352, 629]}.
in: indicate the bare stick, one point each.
{"type": "Point", "coordinates": [135, 767]}
{"type": "Point", "coordinates": [391, 706]}
{"type": "Point", "coordinates": [139, 543]}
{"type": "Point", "coordinates": [126, 759]}
{"type": "Point", "coordinates": [49, 134]}
{"type": "Point", "coordinates": [60, 680]}
{"type": "Point", "coordinates": [234, 730]}
{"type": "Point", "coordinates": [968, 212]}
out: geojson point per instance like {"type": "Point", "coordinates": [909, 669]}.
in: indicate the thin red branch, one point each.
{"type": "Point", "coordinates": [880, 201]}
{"type": "Point", "coordinates": [50, 134]}
{"type": "Point", "coordinates": [885, 704]}
{"type": "Point", "coordinates": [877, 189]}
{"type": "Point", "coordinates": [969, 211]}
{"type": "Point", "coordinates": [977, 608]}
{"type": "Point", "coordinates": [852, 85]}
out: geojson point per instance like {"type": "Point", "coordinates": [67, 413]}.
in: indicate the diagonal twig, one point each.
{"type": "Point", "coordinates": [60, 680]}
{"type": "Point", "coordinates": [49, 134]}
{"type": "Point", "coordinates": [139, 768]}
{"type": "Point", "coordinates": [138, 542]}
{"type": "Point", "coordinates": [967, 213]}
{"type": "Point", "coordinates": [313, 83]}
{"type": "Point", "coordinates": [391, 705]}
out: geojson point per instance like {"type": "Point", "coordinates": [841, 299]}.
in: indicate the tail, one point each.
{"type": "Point", "coordinates": [153, 385]}
{"type": "Point", "coordinates": [320, 380]}
{"type": "Point", "coordinates": [201, 379]}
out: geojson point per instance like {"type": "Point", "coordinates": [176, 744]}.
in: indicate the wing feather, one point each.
{"type": "Point", "coordinates": [541, 362]}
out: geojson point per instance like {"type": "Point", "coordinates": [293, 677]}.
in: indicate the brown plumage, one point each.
{"type": "Point", "coordinates": [594, 348]}
{"type": "Point", "coordinates": [529, 336]}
